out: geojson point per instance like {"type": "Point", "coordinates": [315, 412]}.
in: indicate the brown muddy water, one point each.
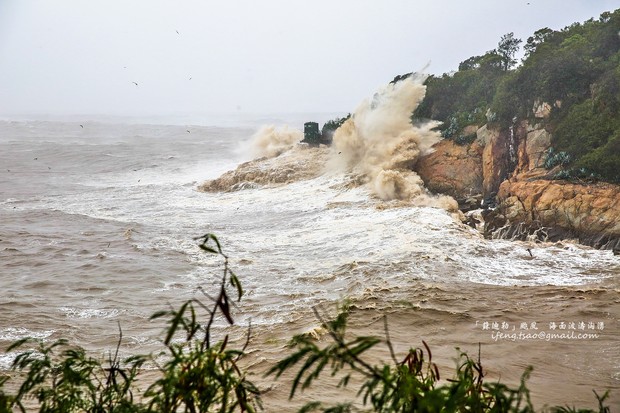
{"type": "Point", "coordinates": [97, 227]}
{"type": "Point", "coordinates": [451, 316]}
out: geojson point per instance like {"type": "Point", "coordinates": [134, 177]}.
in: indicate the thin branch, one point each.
{"type": "Point", "coordinates": [199, 288]}
{"type": "Point", "coordinates": [120, 338]}
{"type": "Point", "coordinates": [207, 341]}
{"type": "Point", "coordinates": [247, 340]}
{"type": "Point", "coordinates": [388, 341]}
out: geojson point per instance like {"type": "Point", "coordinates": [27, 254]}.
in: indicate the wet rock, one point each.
{"type": "Point", "coordinates": [472, 220]}
{"type": "Point", "coordinates": [453, 169]}
{"type": "Point", "coordinates": [496, 160]}
{"type": "Point", "coordinates": [490, 201]}
{"type": "Point", "coordinates": [558, 210]}
{"type": "Point", "coordinates": [298, 164]}
{"type": "Point", "coordinates": [470, 203]}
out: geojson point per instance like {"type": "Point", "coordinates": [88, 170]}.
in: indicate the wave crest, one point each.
{"type": "Point", "coordinates": [299, 163]}
{"type": "Point", "coordinates": [271, 141]}
{"type": "Point", "coordinates": [378, 146]}
{"type": "Point", "coordinates": [380, 142]}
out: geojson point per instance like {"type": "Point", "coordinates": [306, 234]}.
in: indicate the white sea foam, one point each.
{"type": "Point", "coordinates": [380, 142]}
{"type": "Point", "coordinates": [71, 312]}
{"type": "Point", "coordinates": [18, 333]}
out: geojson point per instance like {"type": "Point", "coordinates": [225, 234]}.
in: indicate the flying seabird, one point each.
{"type": "Point", "coordinates": [82, 126]}
{"type": "Point", "coordinates": [135, 83]}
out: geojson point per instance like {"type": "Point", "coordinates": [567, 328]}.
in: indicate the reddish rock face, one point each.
{"type": "Point", "coordinates": [590, 213]}
{"type": "Point", "coordinates": [495, 160]}
{"type": "Point", "coordinates": [478, 168]}
{"type": "Point", "coordinates": [535, 147]}
{"type": "Point", "coordinates": [510, 164]}
{"type": "Point", "coordinates": [453, 169]}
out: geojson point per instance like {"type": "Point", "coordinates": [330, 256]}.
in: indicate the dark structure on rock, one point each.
{"type": "Point", "coordinates": [312, 135]}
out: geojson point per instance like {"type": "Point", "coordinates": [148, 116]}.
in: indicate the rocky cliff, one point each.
{"type": "Point", "coordinates": [554, 210]}
{"type": "Point", "coordinates": [505, 169]}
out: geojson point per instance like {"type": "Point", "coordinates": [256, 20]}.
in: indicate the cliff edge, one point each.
{"type": "Point", "coordinates": [502, 171]}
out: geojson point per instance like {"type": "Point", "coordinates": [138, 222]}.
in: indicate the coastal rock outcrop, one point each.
{"type": "Point", "coordinates": [532, 150]}
{"type": "Point", "coordinates": [498, 158]}
{"type": "Point", "coordinates": [553, 210]}
{"type": "Point", "coordinates": [505, 167]}
{"type": "Point", "coordinates": [480, 167]}
{"type": "Point", "coordinates": [298, 164]}
{"type": "Point", "coordinates": [453, 169]}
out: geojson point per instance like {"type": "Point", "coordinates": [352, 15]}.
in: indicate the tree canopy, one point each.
{"type": "Point", "coordinates": [575, 70]}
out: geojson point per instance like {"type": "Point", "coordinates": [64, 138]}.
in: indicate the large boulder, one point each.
{"type": "Point", "coordinates": [559, 209]}
{"type": "Point", "coordinates": [453, 169]}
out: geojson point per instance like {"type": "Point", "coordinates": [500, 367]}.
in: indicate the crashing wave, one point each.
{"type": "Point", "coordinates": [297, 164]}
{"type": "Point", "coordinates": [380, 142]}
{"type": "Point", "coordinates": [378, 146]}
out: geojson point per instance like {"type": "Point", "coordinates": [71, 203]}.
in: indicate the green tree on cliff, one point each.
{"type": "Point", "coordinates": [507, 48]}
{"type": "Point", "coordinates": [575, 70]}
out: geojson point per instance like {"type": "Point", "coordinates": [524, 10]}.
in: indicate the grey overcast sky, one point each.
{"type": "Point", "coordinates": [63, 57]}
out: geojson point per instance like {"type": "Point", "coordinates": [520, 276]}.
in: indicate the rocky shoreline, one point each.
{"type": "Point", "coordinates": [502, 171]}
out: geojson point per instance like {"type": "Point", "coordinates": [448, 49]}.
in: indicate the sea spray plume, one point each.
{"type": "Point", "coordinates": [277, 160]}
{"type": "Point", "coordinates": [270, 141]}
{"type": "Point", "coordinates": [380, 142]}
{"type": "Point", "coordinates": [299, 163]}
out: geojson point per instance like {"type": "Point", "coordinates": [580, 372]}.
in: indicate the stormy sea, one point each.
{"type": "Point", "coordinates": [98, 220]}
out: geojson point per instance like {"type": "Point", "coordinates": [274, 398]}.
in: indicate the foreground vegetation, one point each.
{"type": "Point", "coordinates": [201, 374]}
{"type": "Point", "coordinates": [574, 71]}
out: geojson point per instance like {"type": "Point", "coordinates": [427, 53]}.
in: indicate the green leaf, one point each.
{"type": "Point", "coordinates": [159, 314]}
{"type": "Point", "coordinates": [19, 343]}
{"type": "Point", "coordinates": [208, 249]}
{"type": "Point", "coordinates": [234, 281]}
{"type": "Point", "coordinates": [363, 344]}
{"type": "Point", "coordinates": [174, 323]}
{"type": "Point", "coordinates": [205, 240]}
{"type": "Point", "coordinates": [309, 362]}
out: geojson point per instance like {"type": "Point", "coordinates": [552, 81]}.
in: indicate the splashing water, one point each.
{"type": "Point", "coordinates": [378, 146]}
{"type": "Point", "coordinates": [271, 141]}
{"type": "Point", "coordinates": [381, 143]}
